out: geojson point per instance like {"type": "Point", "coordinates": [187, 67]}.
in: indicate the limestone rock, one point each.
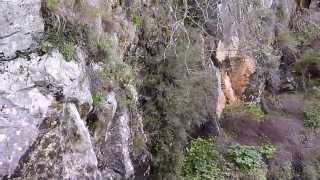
{"type": "Point", "coordinates": [19, 21]}
{"type": "Point", "coordinates": [116, 149]}
{"type": "Point", "coordinates": [29, 91]}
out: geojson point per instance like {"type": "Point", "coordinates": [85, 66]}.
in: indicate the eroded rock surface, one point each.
{"type": "Point", "coordinates": [44, 105]}
{"type": "Point", "coordinates": [58, 120]}
{"type": "Point", "coordinates": [19, 21]}
{"type": "Point", "coordinates": [29, 91]}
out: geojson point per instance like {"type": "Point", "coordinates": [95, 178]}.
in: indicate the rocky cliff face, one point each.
{"type": "Point", "coordinates": [45, 105]}
{"type": "Point", "coordinates": [115, 89]}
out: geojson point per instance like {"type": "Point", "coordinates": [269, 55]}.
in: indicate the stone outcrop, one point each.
{"type": "Point", "coordinates": [45, 103]}
{"type": "Point", "coordinates": [31, 89]}
{"type": "Point", "coordinates": [20, 20]}
{"type": "Point", "coordinates": [83, 119]}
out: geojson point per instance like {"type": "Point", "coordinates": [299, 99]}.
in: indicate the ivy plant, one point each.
{"type": "Point", "coordinates": [200, 160]}
{"type": "Point", "coordinates": [245, 157]}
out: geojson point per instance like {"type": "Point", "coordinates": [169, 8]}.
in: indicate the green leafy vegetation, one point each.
{"type": "Point", "coordinates": [121, 72]}
{"type": "Point", "coordinates": [309, 33]}
{"type": "Point", "coordinates": [136, 20]}
{"type": "Point", "coordinates": [285, 37]}
{"type": "Point", "coordinates": [104, 48]}
{"type": "Point", "coordinates": [45, 47]}
{"type": "Point", "coordinates": [138, 143]}
{"type": "Point", "coordinates": [125, 77]}
{"type": "Point", "coordinates": [312, 116]}
{"type": "Point", "coordinates": [306, 68]}
{"type": "Point", "coordinates": [200, 161]}
{"type": "Point", "coordinates": [97, 99]}
{"type": "Point", "coordinates": [67, 50]}
{"type": "Point", "coordinates": [165, 159]}
{"type": "Point", "coordinates": [63, 39]}
{"type": "Point", "coordinates": [308, 59]}
{"type": "Point", "coordinates": [255, 110]}
{"type": "Point", "coordinates": [114, 70]}
{"type": "Point", "coordinates": [267, 150]}
{"type": "Point", "coordinates": [52, 4]}
{"type": "Point", "coordinates": [104, 43]}
{"type": "Point", "coordinates": [205, 160]}
{"type": "Point", "coordinates": [246, 157]}
{"type": "Point", "coordinates": [178, 95]}
{"type": "Point", "coordinates": [65, 45]}
{"type": "Point", "coordinates": [252, 109]}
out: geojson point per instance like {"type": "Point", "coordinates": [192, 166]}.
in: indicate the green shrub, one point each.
{"type": "Point", "coordinates": [245, 157]}
{"type": "Point", "coordinates": [312, 116]}
{"type": "Point", "coordinates": [125, 77]}
{"type": "Point", "coordinates": [309, 34]}
{"type": "Point", "coordinates": [121, 72]}
{"type": "Point", "coordinates": [54, 38]}
{"type": "Point", "coordinates": [138, 143]}
{"type": "Point", "coordinates": [306, 69]}
{"type": "Point", "coordinates": [200, 160]}
{"type": "Point", "coordinates": [104, 43]}
{"type": "Point", "coordinates": [285, 37]}
{"type": "Point", "coordinates": [67, 50]}
{"type": "Point", "coordinates": [267, 151]}
{"type": "Point", "coordinates": [45, 47]}
{"type": "Point", "coordinates": [136, 20]}
{"type": "Point", "coordinates": [52, 4]}
{"type": "Point", "coordinates": [255, 110]}
{"type": "Point", "coordinates": [170, 83]}
{"type": "Point", "coordinates": [307, 60]}
{"type": "Point", "coordinates": [252, 109]}
{"type": "Point", "coordinates": [97, 99]}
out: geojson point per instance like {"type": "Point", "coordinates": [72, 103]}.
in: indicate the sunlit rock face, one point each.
{"type": "Point", "coordinates": [32, 88]}
{"type": "Point", "coordinates": [236, 70]}
{"type": "Point", "coordinates": [19, 21]}
{"type": "Point", "coordinates": [244, 52]}
{"type": "Point", "coordinates": [241, 70]}
{"type": "Point", "coordinates": [31, 91]}
{"type": "Point", "coordinates": [58, 120]}
{"type": "Point", "coordinates": [45, 102]}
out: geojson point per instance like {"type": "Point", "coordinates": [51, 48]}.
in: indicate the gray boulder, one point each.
{"type": "Point", "coordinates": [19, 21]}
